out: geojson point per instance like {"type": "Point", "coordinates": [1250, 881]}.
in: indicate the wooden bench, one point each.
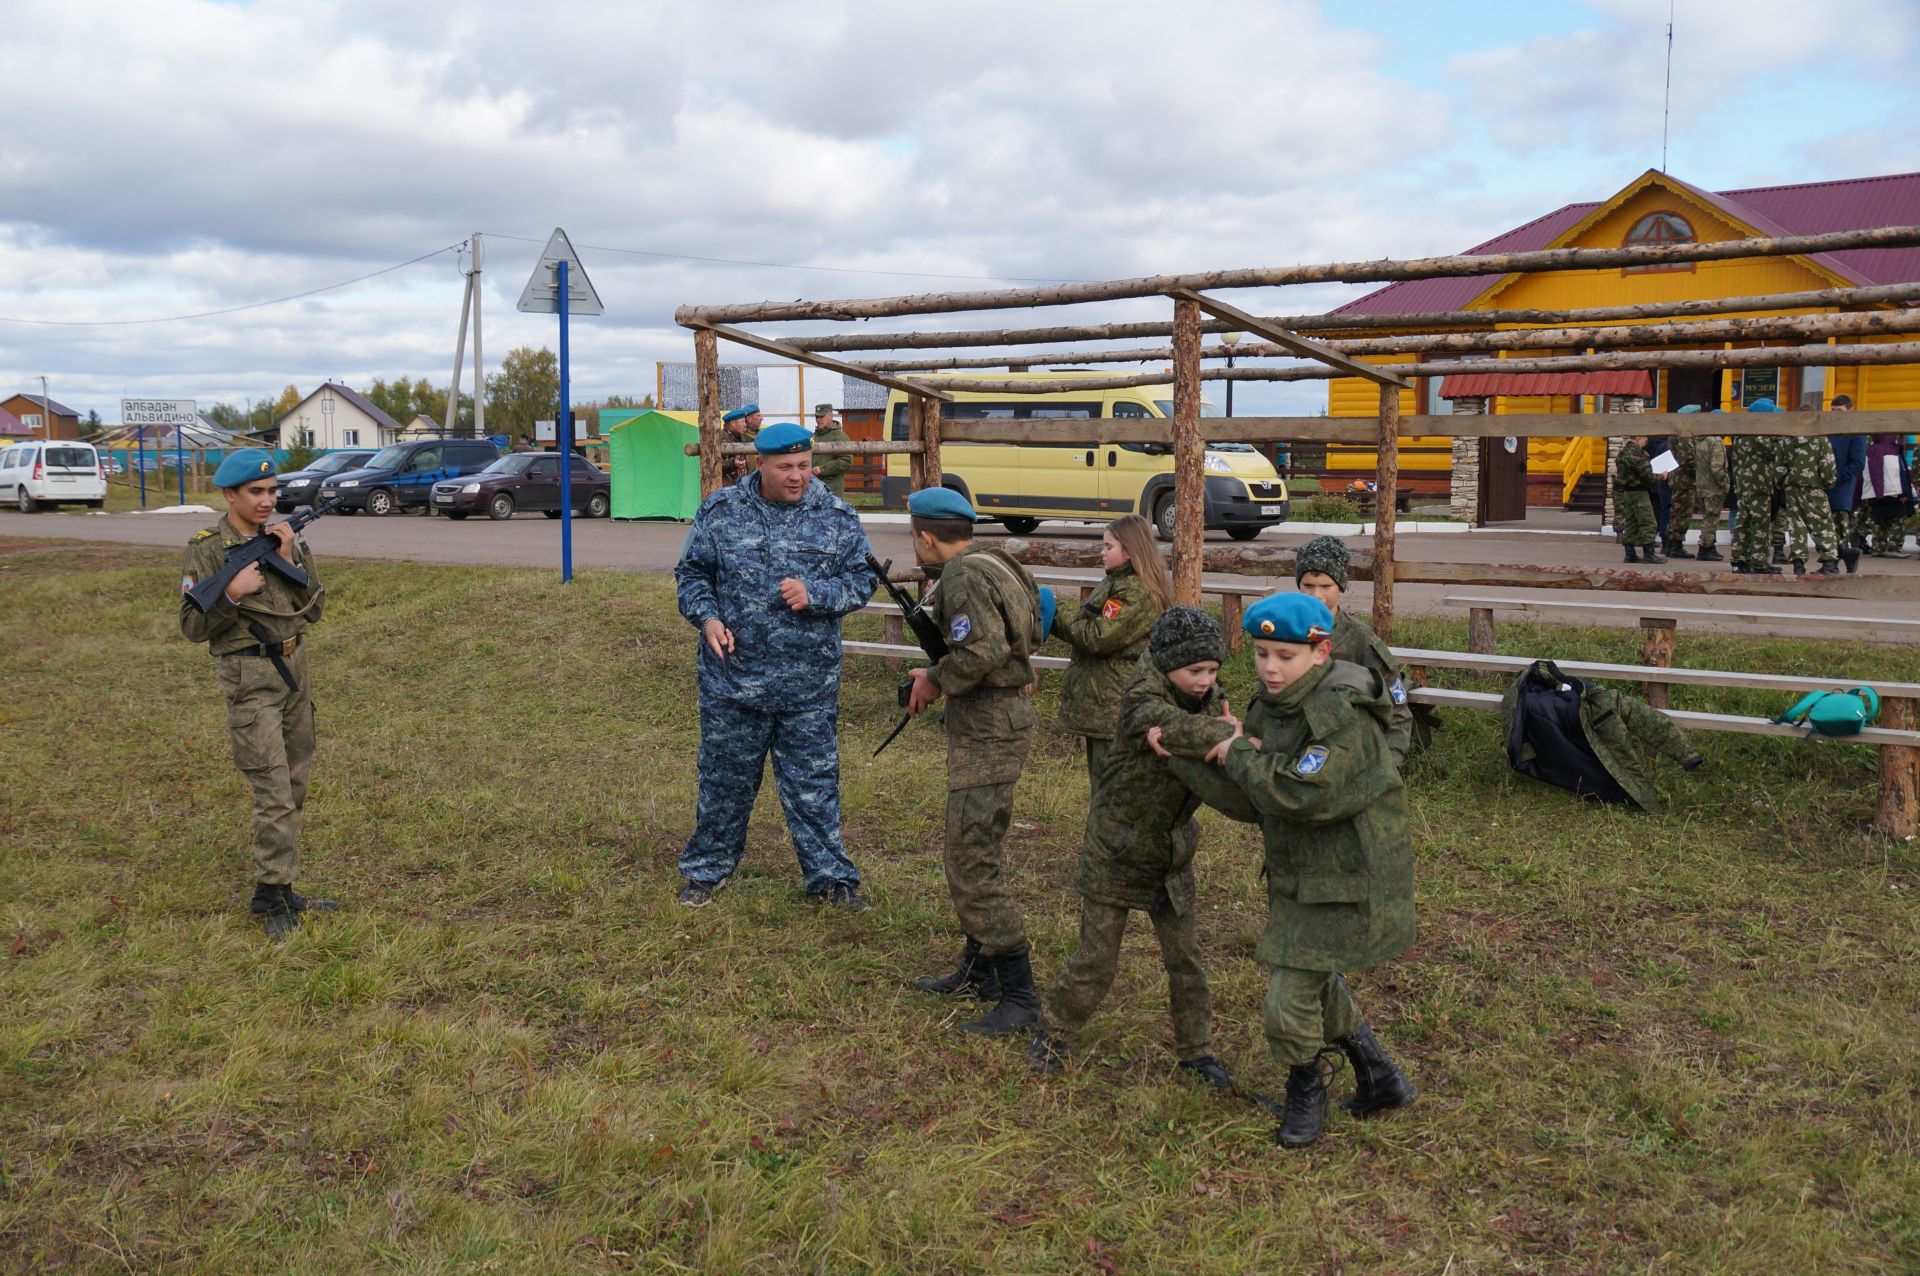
{"type": "Point", "coordinates": [1233, 602]}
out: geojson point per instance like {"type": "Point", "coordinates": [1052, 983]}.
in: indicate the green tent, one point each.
{"type": "Point", "coordinates": [653, 477]}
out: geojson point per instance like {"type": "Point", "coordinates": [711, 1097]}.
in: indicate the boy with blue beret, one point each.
{"type": "Point", "coordinates": [742, 426]}
{"type": "Point", "coordinates": [1312, 762]}
{"type": "Point", "coordinates": [994, 618]}
{"type": "Point", "coordinates": [257, 632]}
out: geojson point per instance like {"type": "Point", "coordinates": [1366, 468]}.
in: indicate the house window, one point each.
{"type": "Point", "coordinates": [352, 437]}
{"type": "Point", "coordinates": [31, 420]}
{"type": "Point", "coordinates": [1654, 229]}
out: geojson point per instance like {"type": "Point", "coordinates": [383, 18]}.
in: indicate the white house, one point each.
{"type": "Point", "coordinates": [336, 416]}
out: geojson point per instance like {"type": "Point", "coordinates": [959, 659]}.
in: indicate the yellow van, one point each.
{"type": "Point", "coordinates": [1021, 483]}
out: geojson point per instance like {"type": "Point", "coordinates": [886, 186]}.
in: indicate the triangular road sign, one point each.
{"type": "Point", "coordinates": [541, 297]}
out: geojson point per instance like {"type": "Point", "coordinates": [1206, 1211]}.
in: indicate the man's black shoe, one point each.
{"type": "Point", "coordinates": [1209, 1070]}
{"type": "Point", "coordinates": [1709, 554]}
{"type": "Point", "coordinates": [1652, 555]}
{"type": "Point", "coordinates": [839, 895]}
{"type": "Point", "coordinates": [1046, 1053]}
{"type": "Point", "coordinates": [973, 977]}
{"type": "Point", "coordinates": [1829, 568]}
{"type": "Point", "coordinates": [1306, 1112]}
{"type": "Point", "coordinates": [1851, 557]}
{"type": "Point", "coordinates": [1779, 557]}
{"type": "Point", "coordinates": [298, 903]}
{"type": "Point", "coordinates": [700, 894]}
{"type": "Point", "coordinates": [1633, 554]}
{"type": "Point", "coordinates": [1378, 1084]}
{"type": "Point", "coordinates": [269, 904]}
{"type": "Point", "coordinates": [1678, 551]}
{"type": "Point", "coordinates": [1019, 1005]}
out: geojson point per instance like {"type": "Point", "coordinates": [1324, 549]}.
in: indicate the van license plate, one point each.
{"type": "Point", "coordinates": [1270, 511]}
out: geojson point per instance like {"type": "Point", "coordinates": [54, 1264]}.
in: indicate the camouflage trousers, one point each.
{"type": "Point", "coordinates": [1304, 1010]}
{"type": "Point", "coordinates": [734, 743]}
{"type": "Point", "coordinates": [1753, 487]}
{"type": "Point", "coordinates": [1096, 756]}
{"type": "Point", "coordinates": [271, 730]}
{"type": "Point", "coordinates": [977, 820]}
{"type": "Point", "coordinates": [1633, 516]}
{"type": "Point", "coordinates": [1810, 526]}
{"type": "Point", "coordinates": [1681, 485]}
{"type": "Point", "coordinates": [1089, 973]}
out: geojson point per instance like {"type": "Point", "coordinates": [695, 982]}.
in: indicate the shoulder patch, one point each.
{"type": "Point", "coordinates": [186, 583]}
{"type": "Point", "coordinates": [1312, 760]}
{"type": "Point", "coordinates": [960, 628]}
{"type": "Point", "coordinates": [1113, 608]}
{"type": "Point", "coordinates": [200, 535]}
{"type": "Point", "coordinates": [1398, 691]}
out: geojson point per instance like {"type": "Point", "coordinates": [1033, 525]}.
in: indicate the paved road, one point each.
{"type": "Point", "coordinates": [534, 541]}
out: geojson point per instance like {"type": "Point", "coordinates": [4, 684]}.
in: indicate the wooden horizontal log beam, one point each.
{"type": "Point", "coordinates": [768, 345]}
{"type": "Point", "coordinates": [1810, 299]}
{"type": "Point", "coordinates": [1291, 343]}
{"type": "Point", "coordinates": [1364, 430]}
{"type": "Point", "coordinates": [1761, 328]}
{"type": "Point", "coordinates": [1381, 271]}
{"type": "Point", "coordinates": [853, 447]}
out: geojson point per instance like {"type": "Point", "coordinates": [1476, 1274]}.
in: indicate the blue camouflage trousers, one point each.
{"type": "Point", "coordinates": [734, 743]}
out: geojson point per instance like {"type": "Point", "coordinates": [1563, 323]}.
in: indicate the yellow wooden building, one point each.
{"type": "Point", "coordinates": [1654, 208]}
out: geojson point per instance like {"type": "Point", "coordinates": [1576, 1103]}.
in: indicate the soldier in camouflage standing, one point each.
{"type": "Point", "coordinates": [1633, 484]}
{"type": "Point", "coordinates": [1810, 475]}
{"type": "Point", "coordinates": [831, 470]}
{"type": "Point", "coordinates": [1312, 762]}
{"type": "Point", "coordinates": [991, 613]}
{"type": "Point", "coordinates": [770, 566]}
{"type": "Point", "coordinates": [1703, 458]}
{"type": "Point", "coordinates": [1757, 467]}
{"type": "Point", "coordinates": [257, 631]}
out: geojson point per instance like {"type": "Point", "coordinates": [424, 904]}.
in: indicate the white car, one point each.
{"type": "Point", "coordinates": [54, 472]}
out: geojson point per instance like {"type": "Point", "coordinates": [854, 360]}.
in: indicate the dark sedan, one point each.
{"type": "Point", "coordinates": [524, 481]}
{"type": "Point", "coordinates": [299, 487]}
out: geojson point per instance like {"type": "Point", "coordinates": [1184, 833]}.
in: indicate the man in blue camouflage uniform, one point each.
{"type": "Point", "coordinates": [771, 564]}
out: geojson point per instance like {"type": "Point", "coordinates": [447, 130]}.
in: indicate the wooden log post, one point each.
{"type": "Point", "coordinates": [923, 429]}
{"type": "Point", "coordinates": [1232, 607]}
{"type": "Point", "coordinates": [1386, 501]}
{"type": "Point", "coordinates": [1898, 814]}
{"type": "Point", "coordinates": [893, 629]}
{"type": "Point", "coordinates": [1480, 631]}
{"type": "Point", "coordinates": [706, 377]}
{"type": "Point", "coordinates": [1189, 455]}
{"type": "Point", "coordinates": [1658, 652]}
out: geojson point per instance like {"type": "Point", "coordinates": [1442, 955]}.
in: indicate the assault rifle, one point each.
{"type": "Point", "coordinates": [925, 632]}
{"type": "Point", "coordinates": [263, 549]}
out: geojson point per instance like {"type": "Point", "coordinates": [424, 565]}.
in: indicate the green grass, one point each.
{"type": "Point", "coordinates": [1683, 1043]}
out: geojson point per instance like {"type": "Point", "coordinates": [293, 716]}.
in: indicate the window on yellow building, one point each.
{"type": "Point", "coordinates": [1659, 228]}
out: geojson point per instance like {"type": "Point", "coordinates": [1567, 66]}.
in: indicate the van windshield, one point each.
{"type": "Point", "coordinates": [1166, 408]}
{"type": "Point", "coordinates": [387, 458]}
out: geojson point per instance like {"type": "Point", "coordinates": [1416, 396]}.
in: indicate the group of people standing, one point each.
{"type": "Point", "coordinates": [774, 560]}
{"type": "Point", "coordinates": [1815, 502]}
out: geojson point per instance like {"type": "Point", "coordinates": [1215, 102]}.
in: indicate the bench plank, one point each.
{"type": "Point", "coordinates": [1662, 609]}
{"type": "Point", "coordinates": [1649, 673]}
{"type": "Point", "coordinates": [1685, 718]}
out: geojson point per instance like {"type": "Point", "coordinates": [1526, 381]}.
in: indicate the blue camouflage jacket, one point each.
{"type": "Point", "coordinates": [739, 549]}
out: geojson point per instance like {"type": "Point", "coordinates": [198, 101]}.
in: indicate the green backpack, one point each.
{"type": "Point", "coordinates": [1834, 712]}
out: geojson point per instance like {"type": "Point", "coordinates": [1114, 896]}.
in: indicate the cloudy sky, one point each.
{"type": "Point", "coordinates": [170, 157]}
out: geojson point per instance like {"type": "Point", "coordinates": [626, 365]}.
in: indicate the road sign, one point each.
{"type": "Point", "coordinates": [144, 412]}
{"type": "Point", "coordinates": [541, 297]}
{"type": "Point", "coordinates": [543, 432]}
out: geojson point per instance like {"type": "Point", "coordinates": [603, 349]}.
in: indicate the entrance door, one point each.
{"type": "Point", "coordinates": [1698, 386]}
{"type": "Point", "coordinates": [1503, 480]}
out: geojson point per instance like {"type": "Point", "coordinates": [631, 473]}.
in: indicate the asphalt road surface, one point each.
{"type": "Point", "coordinates": [606, 544]}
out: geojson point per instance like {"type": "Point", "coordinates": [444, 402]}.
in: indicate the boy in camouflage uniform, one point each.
{"type": "Point", "coordinates": [1138, 850]}
{"type": "Point", "coordinates": [1311, 761]}
{"type": "Point", "coordinates": [990, 611]}
{"type": "Point", "coordinates": [1633, 484]}
{"type": "Point", "coordinates": [1758, 461]}
{"type": "Point", "coordinates": [257, 632]}
{"type": "Point", "coordinates": [1703, 459]}
{"type": "Point", "coordinates": [1810, 475]}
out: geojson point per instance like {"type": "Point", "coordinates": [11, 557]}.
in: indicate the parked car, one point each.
{"type": "Point", "coordinates": [402, 475]}
{"type": "Point", "coordinates": [524, 481]}
{"type": "Point", "coordinates": [302, 487]}
{"type": "Point", "coordinates": [52, 472]}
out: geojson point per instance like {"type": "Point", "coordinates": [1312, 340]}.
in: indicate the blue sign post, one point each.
{"type": "Point", "coordinates": [140, 438]}
{"type": "Point", "coordinates": [566, 433]}
{"type": "Point", "coordinates": [560, 286]}
{"type": "Point", "coordinates": [180, 458]}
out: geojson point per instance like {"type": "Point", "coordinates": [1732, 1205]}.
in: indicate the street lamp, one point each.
{"type": "Point", "coordinates": [1232, 339]}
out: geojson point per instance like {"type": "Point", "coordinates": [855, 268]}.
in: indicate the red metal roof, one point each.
{"type": "Point", "coordinates": [1477, 384]}
{"type": "Point", "coordinates": [1808, 209]}
{"type": "Point", "coordinates": [12, 427]}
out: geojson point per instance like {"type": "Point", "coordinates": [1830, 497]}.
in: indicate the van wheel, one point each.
{"type": "Point", "coordinates": [380, 502]}
{"type": "Point", "coordinates": [1163, 517]}
{"type": "Point", "coordinates": [597, 505]}
{"type": "Point", "coordinates": [1243, 533]}
{"type": "Point", "coordinates": [26, 503]}
{"type": "Point", "coordinates": [501, 506]}
{"type": "Point", "coordinates": [1020, 526]}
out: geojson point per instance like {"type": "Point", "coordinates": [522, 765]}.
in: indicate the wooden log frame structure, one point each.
{"type": "Point", "coordinates": [1598, 349]}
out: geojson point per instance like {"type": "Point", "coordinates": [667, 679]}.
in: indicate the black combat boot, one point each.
{"type": "Point", "coordinates": [1046, 1053]}
{"type": "Point", "coordinates": [1829, 567]}
{"type": "Point", "coordinates": [1708, 553]}
{"type": "Point", "coordinates": [1209, 1070]}
{"type": "Point", "coordinates": [1019, 1005]}
{"type": "Point", "coordinates": [298, 903]}
{"type": "Point", "coordinates": [270, 905]}
{"type": "Point", "coordinates": [1779, 556]}
{"type": "Point", "coordinates": [1378, 1085]}
{"type": "Point", "coordinates": [1633, 554]}
{"type": "Point", "coordinates": [973, 977]}
{"type": "Point", "coordinates": [1306, 1111]}
{"type": "Point", "coordinates": [1678, 551]}
{"type": "Point", "coordinates": [1652, 554]}
{"type": "Point", "coordinates": [1799, 567]}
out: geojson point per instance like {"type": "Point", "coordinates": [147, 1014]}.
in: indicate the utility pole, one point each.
{"type": "Point", "coordinates": [479, 363]}
{"type": "Point", "coordinates": [459, 353]}
{"type": "Point", "coordinates": [46, 410]}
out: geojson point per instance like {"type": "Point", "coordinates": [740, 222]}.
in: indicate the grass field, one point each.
{"type": "Point", "coordinates": [1683, 1043]}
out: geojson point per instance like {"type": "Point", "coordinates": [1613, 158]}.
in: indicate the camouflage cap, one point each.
{"type": "Point", "coordinates": [1185, 636]}
{"type": "Point", "coordinates": [1322, 554]}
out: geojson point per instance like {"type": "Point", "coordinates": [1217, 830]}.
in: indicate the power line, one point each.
{"type": "Point", "coordinates": [230, 310]}
{"type": "Point", "coordinates": [787, 265]}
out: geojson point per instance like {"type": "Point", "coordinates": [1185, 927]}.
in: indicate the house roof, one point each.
{"type": "Point", "coordinates": [13, 426]}
{"type": "Point", "coordinates": [1479, 384]}
{"type": "Point", "coordinates": [1810, 208]}
{"type": "Point", "coordinates": [53, 406]}
{"type": "Point", "coordinates": [354, 397]}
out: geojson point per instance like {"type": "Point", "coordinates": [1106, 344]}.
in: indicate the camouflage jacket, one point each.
{"type": "Point", "coordinates": [989, 609]}
{"type": "Point", "coordinates": [1140, 835]}
{"type": "Point", "coordinates": [1620, 729]}
{"type": "Point", "coordinates": [1355, 642]}
{"type": "Point", "coordinates": [739, 549]}
{"type": "Point", "coordinates": [1333, 816]}
{"type": "Point", "coordinates": [1107, 633]}
{"type": "Point", "coordinates": [278, 608]}
{"type": "Point", "coordinates": [1810, 464]}
{"type": "Point", "coordinates": [832, 470]}
{"type": "Point", "coordinates": [1632, 469]}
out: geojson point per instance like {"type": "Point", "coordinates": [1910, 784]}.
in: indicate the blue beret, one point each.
{"type": "Point", "coordinates": [740, 413]}
{"type": "Point", "coordinates": [1691, 407]}
{"type": "Point", "coordinates": [1762, 405]}
{"type": "Point", "coordinates": [1288, 618]}
{"type": "Point", "coordinates": [1048, 606]}
{"type": "Point", "coordinates": [781, 438]}
{"type": "Point", "coordinates": [941, 502]}
{"type": "Point", "coordinates": [247, 465]}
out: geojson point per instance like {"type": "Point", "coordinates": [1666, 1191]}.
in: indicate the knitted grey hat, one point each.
{"type": "Point", "coordinates": [1322, 554]}
{"type": "Point", "coordinates": [1185, 636]}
